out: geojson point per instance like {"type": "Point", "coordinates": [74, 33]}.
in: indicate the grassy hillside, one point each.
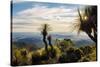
{"type": "Point", "coordinates": [62, 52]}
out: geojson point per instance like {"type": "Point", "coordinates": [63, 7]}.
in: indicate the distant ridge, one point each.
{"type": "Point", "coordinates": [36, 38]}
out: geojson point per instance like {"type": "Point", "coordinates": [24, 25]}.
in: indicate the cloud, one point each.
{"type": "Point", "coordinates": [59, 18]}
{"type": "Point", "coordinates": [18, 1]}
{"type": "Point", "coordinates": [45, 13]}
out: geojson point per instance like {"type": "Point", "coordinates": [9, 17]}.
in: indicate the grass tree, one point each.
{"type": "Point", "coordinates": [44, 31]}
{"type": "Point", "coordinates": [88, 22]}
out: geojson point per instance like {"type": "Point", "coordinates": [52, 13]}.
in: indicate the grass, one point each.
{"type": "Point", "coordinates": [64, 52]}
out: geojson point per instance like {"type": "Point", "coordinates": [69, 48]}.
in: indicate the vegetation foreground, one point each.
{"type": "Point", "coordinates": [63, 52]}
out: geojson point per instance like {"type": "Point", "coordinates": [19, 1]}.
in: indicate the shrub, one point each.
{"type": "Point", "coordinates": [86, 50]}
{"type": "Point", "coordinates": [71, 55]}
{"type": "Point", "coordinates": [63, 58]}
{"type": "Point", "coordinates": [36, 58]}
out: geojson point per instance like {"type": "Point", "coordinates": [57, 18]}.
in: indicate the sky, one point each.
{"type": "Point", "coordinates": [28, 16]}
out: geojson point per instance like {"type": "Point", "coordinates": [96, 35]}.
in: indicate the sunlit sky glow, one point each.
{"type": "Point", "coordinates": [28, 16]}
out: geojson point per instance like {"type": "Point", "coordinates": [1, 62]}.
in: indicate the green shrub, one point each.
{"type": "Point", "coordinates": [36, 58]}
{"type": "Point", "coordinates": [86, 50]}
{"type": "Point", "coordinates": [71, 55]}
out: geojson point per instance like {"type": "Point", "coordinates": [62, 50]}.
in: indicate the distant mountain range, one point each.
{"type": "Point", "coordinates": [36, 38]}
